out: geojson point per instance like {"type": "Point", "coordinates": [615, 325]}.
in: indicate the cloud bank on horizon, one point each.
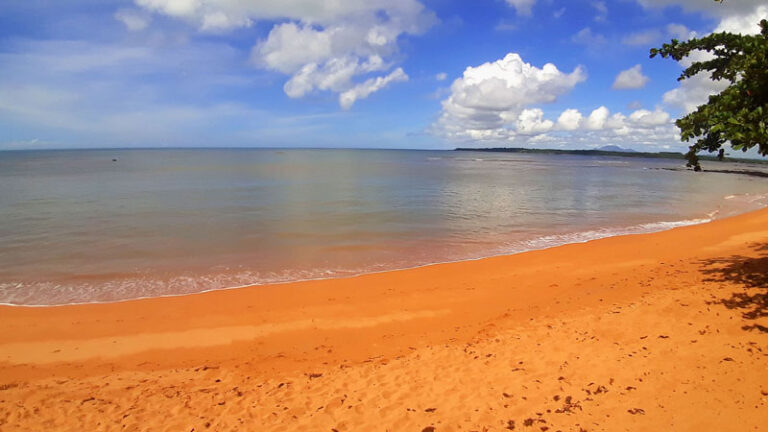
{"type": "Point", "coordinates": [376, 73]}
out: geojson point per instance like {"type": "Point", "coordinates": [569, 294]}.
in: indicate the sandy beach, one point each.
{"type": "Point", "coordinates": [664, 331]}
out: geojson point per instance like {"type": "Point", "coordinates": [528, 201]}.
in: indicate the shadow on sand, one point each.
{"type": "Point", "coordinates": [751, 273]}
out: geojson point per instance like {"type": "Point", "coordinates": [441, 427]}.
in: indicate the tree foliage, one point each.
{"type": "Point", "coordinates": [739, 114]}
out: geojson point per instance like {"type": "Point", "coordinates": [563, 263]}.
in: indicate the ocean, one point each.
{"type": "Point", "coordinates": [80, 226]}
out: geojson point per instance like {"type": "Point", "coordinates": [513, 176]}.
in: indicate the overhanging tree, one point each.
{"type": "Point", "coordinates": [737, 115]}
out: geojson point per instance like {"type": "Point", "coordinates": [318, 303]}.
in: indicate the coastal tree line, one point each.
{"type": "Point", "coordinates": [738, 115]}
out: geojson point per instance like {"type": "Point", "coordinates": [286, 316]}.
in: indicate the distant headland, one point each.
{"type": "Point", "coordinates": [611, 150]}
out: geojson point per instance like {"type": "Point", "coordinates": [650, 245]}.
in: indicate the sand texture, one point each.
{"type": "Point", "coordinates": [656, 332]}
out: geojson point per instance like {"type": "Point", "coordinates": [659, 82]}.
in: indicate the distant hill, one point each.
{"type": "Point", "coordinates": [615, 148]}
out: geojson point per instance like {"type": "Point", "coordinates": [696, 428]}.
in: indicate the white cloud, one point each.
{"type": "Point", "coordinates": [693, 92]}
{"type": "Point", "coordinates": [532, 122]}
{"type": "Point", "coordinates": [522, 7]}
{"type": "Point", "coordinates": [651, 130]}
{"type": "Point", "coordinates": [747, 23]}
{"type": "Point", "coordinates": [631, 78]}
{"type": "Point", "coordinates": [641, 126]}
{"type": "Point", "coordinates": [649, 118]}
{"type": "Point", "coordinates": [178, 8]}
{"type": "Point", "coordinates": [490, 99]}
{"type": "Point", "coordinates": [654, 36]}
{"type": "Point", "coordinates": [290, 47]}
{"type": "Point", "coordinates": [362, 91]}
{"type": "Point", "coordinates": [509, 83]}
{"type": "Point", "coordinates": [133, 20]}
{"type": "Point", "coordinates": [570, 119]}
{"type": "Point", "coordinates": [679, 31]}
{"type": "Point", "coordinates": [602, 10]}
{"type": "Point", "coordinates": [408, 14]}
{"type": "Point", "coordinates": [218, 21]}
{"type": "Point", "coordinates": [334, 75]}
{"type": "Point", "coordinates": [727, 8]}
{"type": "Point", "coordinates": [601, 119]}
{"type": "Point", "coordinates": [597, 118]}
{"type": "Point", "coordinates": [88, 94]}
{"type": "Point", "coordinates": [645, 37]}
{"type": "Point", "coordinates": [696, 90]}
{"type": "Point", "coordinates": [442, 76]}
{"type": "Point", "coordinates": [320, 45]}
{"type": "Point", "coordinates": [496, 104]}
{"type": "Point", "coordinates": [736, 17]}
{"type": "Point", "coordinates": [585, 36]}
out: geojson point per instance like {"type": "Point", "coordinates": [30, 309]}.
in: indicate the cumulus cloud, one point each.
{"type": "Point", "coordinates": [649, 118]}
{"type": "Point", "coordinates": [531, 122]}
{"type": "Point", "coordinates": [631, 78]}
{"type": "Point", "coordinates": [650, 129]}
{"type": "Point", "coordinates": [602, 119]}
{"type": "Point", "coordinates": [290, 46]}
{"type": "Point", "coordinates": [747, 23]}
{"type": "Point", "coordinates": [494, 94]}
{"type": "Point", "coordinates": [442, 76]}
{"type": "Point", "coordinates": [497, 103]}
{"type": "Point", "coordinates": [342, 47]}
{"type": "Point", "coordinates": [693, 92]}
{"type": "Point", "coordinates": [597, 118]}
{"type": "Point", "coordinates": [522, 7]}
{"type": "Point", "coordinates": [570, 119]}
{"type": "Point", "coordinates": [602, 123]}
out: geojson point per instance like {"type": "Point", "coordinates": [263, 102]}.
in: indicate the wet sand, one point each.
{"type": "Point", "coordinates": [663, 331]}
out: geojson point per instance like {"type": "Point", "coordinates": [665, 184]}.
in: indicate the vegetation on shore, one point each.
{"type": "Point", "coordinates": [659, 155]}
{"type": "Point", "coordinates": [738, 115]}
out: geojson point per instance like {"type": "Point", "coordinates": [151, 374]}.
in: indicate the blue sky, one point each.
{"type": "Point", "coordinates": [383, 74]}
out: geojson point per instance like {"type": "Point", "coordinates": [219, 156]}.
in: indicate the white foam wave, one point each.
{"type": "Point", "coordinates": [146, 286]}
{"type": "Point", "coordinates": [545, 242]}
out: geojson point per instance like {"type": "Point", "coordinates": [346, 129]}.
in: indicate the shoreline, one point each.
{"type": "Point", "coordinates": [617, 232]}
{"type": "Point", "coordinates": [630, 331]}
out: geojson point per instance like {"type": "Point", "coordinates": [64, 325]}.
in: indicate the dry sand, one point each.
{"type": "Point", "coordinates": [656, 332]}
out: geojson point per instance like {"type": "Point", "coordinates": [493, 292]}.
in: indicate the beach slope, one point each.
{"type": "Point", "coordinates": [662, 331]}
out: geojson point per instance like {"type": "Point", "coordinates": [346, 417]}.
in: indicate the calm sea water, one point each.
{"type": "Point", "coordinates": [80, 227]}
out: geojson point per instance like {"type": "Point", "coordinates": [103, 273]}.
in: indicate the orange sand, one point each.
{"type": "Point", "coordinates": [657, 332]}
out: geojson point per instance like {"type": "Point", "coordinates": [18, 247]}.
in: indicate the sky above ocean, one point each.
{"type": "Point", "coordinates": [370, 74]}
